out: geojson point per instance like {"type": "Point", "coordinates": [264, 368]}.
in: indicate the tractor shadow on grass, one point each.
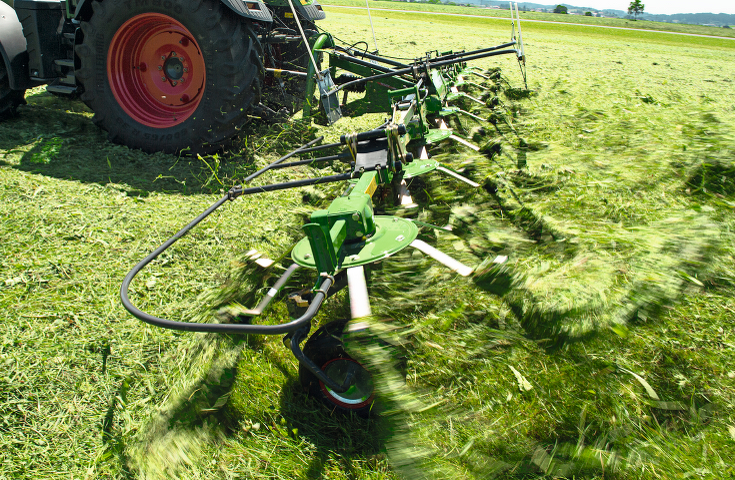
{"type": "Point", "coordinates": [55, 136]}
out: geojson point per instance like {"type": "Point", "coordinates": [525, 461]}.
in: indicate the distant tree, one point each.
{"type": "Point", "coordinates": [635, 8]}
{"type": "Point", "coordinates": [587, 14]}
{"type": "Point", "coordinates": [563, 9]}
{"type": "Point", "coordinates": [726, 26]}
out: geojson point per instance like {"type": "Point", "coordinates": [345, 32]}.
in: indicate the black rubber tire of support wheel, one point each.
{"type": "Point", "coordinates": [9, 99]}
{"type": "Point", "coordinates": [325, 347]}
{"type": "Point", "coordinates": [231, 59]}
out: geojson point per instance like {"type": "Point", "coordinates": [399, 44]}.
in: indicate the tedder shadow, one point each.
{"type": "Point", "coordinates": [200, 414]}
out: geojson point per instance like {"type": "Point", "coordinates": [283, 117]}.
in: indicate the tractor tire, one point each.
{"type": "Point", "coordinates": [172, 75]}
{"type": "Point", "coordinates": [9, 99]}
{"type": "Point", "coordinates": [325, 349]}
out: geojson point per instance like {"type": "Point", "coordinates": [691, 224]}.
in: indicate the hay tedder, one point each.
{"type": "Point", "coordinates": [343, 239]}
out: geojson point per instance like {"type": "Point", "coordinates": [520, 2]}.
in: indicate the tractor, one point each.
{"type": "Point", "coordinates": [160, 75]}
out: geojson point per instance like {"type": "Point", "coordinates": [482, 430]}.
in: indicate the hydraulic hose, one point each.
{"type": "Point", "coordinates": [311, 311]}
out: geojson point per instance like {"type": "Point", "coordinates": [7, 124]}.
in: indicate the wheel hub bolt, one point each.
{"type": "Point", "coordinates": [182, 81]}
{"type": "Point", "coordinates": [174, 84]}
{"type": "Point", "coordinates": [163, 79]}
{"type": "Point", "coordinates": [160, 67]}
{"type": "Point", "coordinates": [163, 57]}
{"type": "Point", "coordinates": [186, 70]}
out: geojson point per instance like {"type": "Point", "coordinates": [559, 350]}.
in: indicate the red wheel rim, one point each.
{"type": "Point", "coordinates": [338, 399]}
{"type": "Point", "coordinates": [156, 70]}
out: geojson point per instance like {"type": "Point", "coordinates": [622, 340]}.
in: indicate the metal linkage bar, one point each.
{"type": "Point", "coordinates": [371, 134]}
{"type": "Point", "coordinates": [432, 64]}
{"type": "Point", "coordinates": [273, 291]}
{"type": "Point", "coordinates": [370, 56]}
{"type": "Point", "coordinates": [287, 72]}
{"type": "Point", "coordinates": [303, 36]}
{"type": "Point", "coordinates": [293, 184]}
{"type": "Point", "coordinates": [309, 161]}
{"type": "Point", "coordinates": [357, 61]}
{"type": "Point", "coordinates": [250, 178]}
{"type": "Point", "coordinates": [451, 56]}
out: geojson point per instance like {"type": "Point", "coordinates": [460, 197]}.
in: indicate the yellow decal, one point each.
{"type": "Point", "coordinates": [277, 73]}
{"type": "Point", "coordinates": [372, 187]}
{"type": "Point", "coordinates": [304, 2]}
{"type": "Point", "coordinates": [288, 15]}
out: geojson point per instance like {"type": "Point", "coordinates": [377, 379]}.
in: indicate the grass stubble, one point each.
{"type": "Point", "coordinates": [610, 357]}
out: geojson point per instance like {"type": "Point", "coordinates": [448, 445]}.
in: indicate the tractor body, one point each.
{"type": "Point", "coordinates": [160, 75]}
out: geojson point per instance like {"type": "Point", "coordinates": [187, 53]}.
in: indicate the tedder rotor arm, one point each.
{"type": "Point", "coordinates": [415, 69]}
{"type": "Point", "coordinates": [323, 284]}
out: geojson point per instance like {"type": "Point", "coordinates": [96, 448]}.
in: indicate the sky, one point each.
{"type": "Point", "coordinates": [663, 6]}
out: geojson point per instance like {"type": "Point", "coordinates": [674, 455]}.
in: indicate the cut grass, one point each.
{"type": "Point", "coordinates": [621, 135]}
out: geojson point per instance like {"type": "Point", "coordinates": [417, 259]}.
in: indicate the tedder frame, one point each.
{"type": "Point", "coordinates": [341, 240]}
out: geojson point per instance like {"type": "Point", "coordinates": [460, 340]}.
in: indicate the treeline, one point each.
{"type": "Point", "coordinates": [719, 19]}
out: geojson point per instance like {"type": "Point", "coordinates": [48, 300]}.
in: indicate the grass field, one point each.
{"type": "Point", "coordinates": [547, 17]}
{"type": "Point", "coordinates": [613, 356]}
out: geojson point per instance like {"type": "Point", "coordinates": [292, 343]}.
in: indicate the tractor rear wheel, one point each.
{"type": "Point", "coordinates": [325, 349]}
{"type": "Point", "coordinates": [169, 75]}
{"type": "Point", "coordinates": [9, 99]}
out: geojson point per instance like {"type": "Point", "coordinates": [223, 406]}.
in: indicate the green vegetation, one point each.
{"type": "Point", "coordinates": [531, 16]}
{"type": "Point", "coordinates": [635, 8]}
{"type": "Point", "coordinates": [613, 356]}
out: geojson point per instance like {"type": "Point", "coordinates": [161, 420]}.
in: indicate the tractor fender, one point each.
{"type": "Point", "coordinates": [13, 48]}
{"type": "Point", "coordinates": [310, 10]}
{"type": "Point", "coordinates": [252, 9]}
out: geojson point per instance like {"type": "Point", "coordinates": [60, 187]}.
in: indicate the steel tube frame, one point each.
{"type": "Point", "coordinates": [417, 68]}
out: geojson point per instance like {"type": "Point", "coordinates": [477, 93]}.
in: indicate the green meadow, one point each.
{"type": "Point", "coordinates": [605, 349]}
{"type": "Point", "coordinates": [538, 16]}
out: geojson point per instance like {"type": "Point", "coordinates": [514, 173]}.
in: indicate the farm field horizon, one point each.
{"type": "Point", "coordinates": [613, 357]}
{"type": "Point", "coordinates": [537, 16]}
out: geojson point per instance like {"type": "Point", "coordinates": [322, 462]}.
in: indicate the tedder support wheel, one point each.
{"type": "Point", "coordinates": [170, 75]}
{"type": "Point", "coordinates": [326, 350]}
{"type": "Point", "coordinates": [9, 99]}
